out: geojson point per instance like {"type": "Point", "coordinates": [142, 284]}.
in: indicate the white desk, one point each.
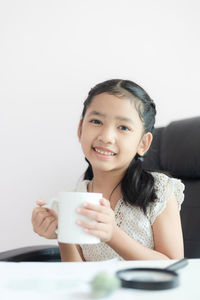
{"type": "Point", "coordinates": [28, 281]}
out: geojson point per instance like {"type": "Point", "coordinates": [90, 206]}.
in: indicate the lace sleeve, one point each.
{"type": "Point", "coordinates": [164, 187]}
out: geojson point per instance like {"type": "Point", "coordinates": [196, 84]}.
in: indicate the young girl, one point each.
{"type": "Point", "coordinates": [139, 214]}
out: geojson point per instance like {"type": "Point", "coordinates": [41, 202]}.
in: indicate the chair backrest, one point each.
{"type": "Point", "coordinates": [176, 149]}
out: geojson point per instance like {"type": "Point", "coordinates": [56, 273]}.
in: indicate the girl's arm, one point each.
{"type": "Point", "coordinates": [166, 229]}
{"type": "Point", "coordinates": [45, 222]}
{"type": "Point", "coordinates": [70, 252]}
{"type": "Point", "coordinates": [168, 239]}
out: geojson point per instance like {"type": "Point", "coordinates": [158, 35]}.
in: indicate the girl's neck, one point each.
{"type": "Point", "coordinates": [108, 185]}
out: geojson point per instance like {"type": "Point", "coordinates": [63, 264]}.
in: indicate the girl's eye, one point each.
{"type": "Point", "coordinates": [124, 128]}
{"type": "Point", "coordinates": [97, 122]}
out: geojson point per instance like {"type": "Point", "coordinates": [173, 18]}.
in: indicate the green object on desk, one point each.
{"type": "Point", "coordinates": [104, 284]}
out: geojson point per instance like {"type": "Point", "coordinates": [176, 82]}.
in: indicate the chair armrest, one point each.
{"type": "Point", "coordinates": [40, 253]}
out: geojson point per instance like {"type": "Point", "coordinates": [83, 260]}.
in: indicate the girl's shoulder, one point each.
{"type": "Point", "coordinates": [163, 182]}
{"type": "Point", "coordinates": [164, 187]}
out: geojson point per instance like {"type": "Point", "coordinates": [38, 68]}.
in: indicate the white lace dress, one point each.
{"type": "Point", "coordinates": [132, 219]}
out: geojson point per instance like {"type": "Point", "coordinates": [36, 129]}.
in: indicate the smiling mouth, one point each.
{"type": "Point", "coordinates": [104, 152]}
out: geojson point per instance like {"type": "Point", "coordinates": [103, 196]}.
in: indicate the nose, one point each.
{"type": "Point", "coordinates": [107, 135]}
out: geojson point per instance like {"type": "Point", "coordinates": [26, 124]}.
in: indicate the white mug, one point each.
{"type": "Point", "coordinates": [65, 205]}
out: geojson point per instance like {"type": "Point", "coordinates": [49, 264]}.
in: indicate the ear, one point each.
{"type": "Point", "coordinates": [79, 130]}
{"type": "Point", "coordinates": [145, 143]}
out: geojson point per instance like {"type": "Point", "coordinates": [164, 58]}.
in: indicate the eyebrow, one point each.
{"type": "Point", "coordinates": [119, 118]}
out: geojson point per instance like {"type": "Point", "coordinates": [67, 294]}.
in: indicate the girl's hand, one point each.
{"type": "Point", "coordinates": [104, 217]}
{"type": "Point", "coordinates": [45, 221]}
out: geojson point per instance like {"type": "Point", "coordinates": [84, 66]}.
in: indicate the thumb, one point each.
{"type": "Point", "coordinates": [105, 202]}
{"type": "Point", "coordinates": [53, 213]}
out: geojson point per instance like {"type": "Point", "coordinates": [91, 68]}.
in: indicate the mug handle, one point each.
{"type": "Point", "coordinates": [53, 204]}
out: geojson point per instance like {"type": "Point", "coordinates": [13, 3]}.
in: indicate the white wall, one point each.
{"type": "Point", "coordinates": [51, 54]}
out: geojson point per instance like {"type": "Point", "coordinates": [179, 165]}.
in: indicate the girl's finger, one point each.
{"type": "Point", "coordinates": [40, 218]}
{"type": "Point", "coordinates": [95, 215]}
{"type": "Point", "coordinates": [39, 212]}
{"type": "Point", "coordinates": [53, 213]}
{"type": "Point", "coordinates": [47, 222]}
{"type": "Point", "coordinates": [92, 225]}
{"type": "Point", "coordinates": [51, 230]}
{"type": "Point", "coordinates": [105, 202]}
{"type": "Point", "coordinates": [93, 207]}
{"type": "Point", "coordinates": [41, 202]}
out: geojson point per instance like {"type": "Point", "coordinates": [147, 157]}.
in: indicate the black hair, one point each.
{"type": "Point", "coordinates": [137, 185]}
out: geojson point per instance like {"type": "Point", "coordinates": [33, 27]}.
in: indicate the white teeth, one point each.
{"type": "Point", "coordinates": [103, 152]}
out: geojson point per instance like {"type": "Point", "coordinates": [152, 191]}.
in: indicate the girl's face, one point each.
{"type": "Point", "coordinates": [111, 133]}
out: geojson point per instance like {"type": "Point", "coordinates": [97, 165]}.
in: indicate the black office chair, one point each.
{"type": "Point", "coordinates": [43, 253]}
{"type": "Point", "coordinates": [176, 149]}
